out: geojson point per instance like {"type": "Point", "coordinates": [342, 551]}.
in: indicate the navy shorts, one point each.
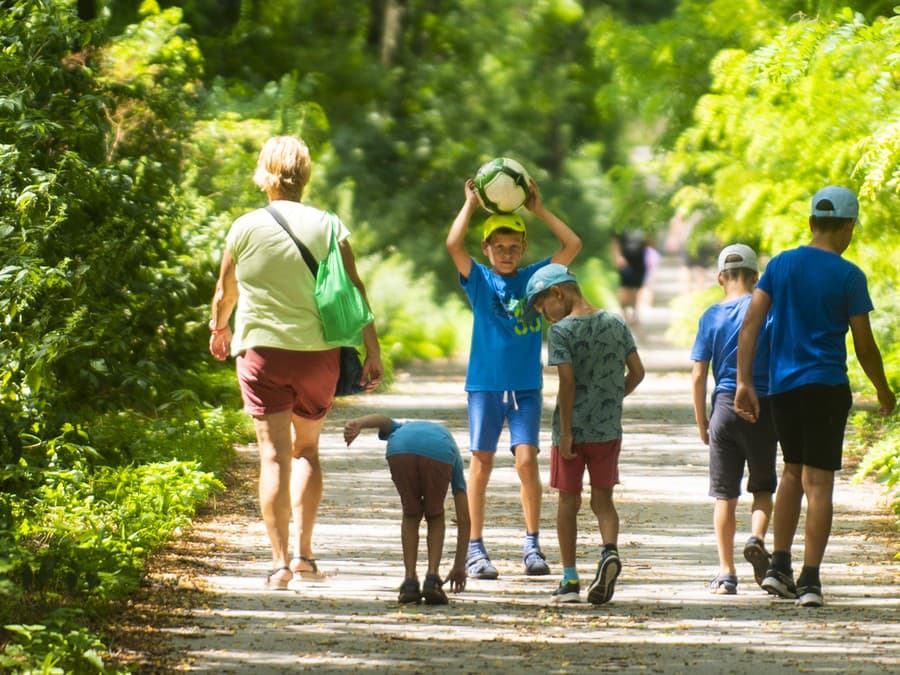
{"type": "Point", "coordinates": [733, 442]}
{"type": "Point", "coordinates": [488, 410]}
{"type": "Point", "coordinates": [810, 422]}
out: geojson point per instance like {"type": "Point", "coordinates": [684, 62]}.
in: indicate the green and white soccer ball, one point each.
{"type": "Point", "coordinates": [501, 185]}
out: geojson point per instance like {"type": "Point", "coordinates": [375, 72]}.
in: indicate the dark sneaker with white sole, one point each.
{"type": "Point", "coordinates": [756, 554]}
{"type": "Point", "coordinates": [780, 584]}
{"type": "Point", "coordinates": [567, 591]}
{"type": "Point", "coordinates": [810, 595]}
{"type": "Point", "coordinates": [602, 587]}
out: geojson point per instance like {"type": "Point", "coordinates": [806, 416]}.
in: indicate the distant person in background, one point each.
{"type": "Point", "coordinates": [286, 370]}
{"type": "Point", "coordinates": [813, 295]}
{"type": "Point", "coordinates": [652, 258]}
{"type": "Point", "coordinates": [424, 462]}
{"type": "Point", "coordinates": [697, 252]}
{"type": "Point", "coordinates": [629, 251]}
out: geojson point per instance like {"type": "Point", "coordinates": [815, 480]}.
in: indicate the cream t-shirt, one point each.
{"type": "Point", "coordinates": [276, 306]}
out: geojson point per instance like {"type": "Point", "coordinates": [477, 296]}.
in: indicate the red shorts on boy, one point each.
{"type": "Point", "coordinates": [600, 459]}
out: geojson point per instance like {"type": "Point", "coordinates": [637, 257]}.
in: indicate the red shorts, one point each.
{"type": "Point", "coordinates": [422, 483]}
{"type": "Point", "coordinates": [275, 380]}
{"type": "Point", "coordinates": [600, 459]}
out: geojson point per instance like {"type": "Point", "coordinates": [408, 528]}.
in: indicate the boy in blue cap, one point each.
{"type": "Point", "coordinates": [813, 296]}
{"type": "Point", "coordinates": [598, 364]}
{"type": "Point", "coordinates": [732, 440]}
{"type": "Point", "coordinates": [424, 461]}
{"type": "Point", "coordinates": [504, 378]}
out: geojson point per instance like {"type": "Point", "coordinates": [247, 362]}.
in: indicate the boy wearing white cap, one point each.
{"type": "Point", "coordinates": [733, 441]}
{"type": "Point", "coordinates": [813, 296]}
{"type": "Point", "coordinates": [598, 365]}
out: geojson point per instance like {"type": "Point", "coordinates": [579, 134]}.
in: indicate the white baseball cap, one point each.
{"type": "Point", "coordinates": [736, 257]}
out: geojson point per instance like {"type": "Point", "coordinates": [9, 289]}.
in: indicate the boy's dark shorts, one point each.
{"type": "Point", "coordinates": [733, 441]}
{"type": "Point", "coordinates": [810, 422]}
{"type": "Point", "coordinates": [422, 483]}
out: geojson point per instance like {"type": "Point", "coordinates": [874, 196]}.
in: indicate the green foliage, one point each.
{"type": "Point", "coordinates": [54, 648]}
{"type": "Point", "coordinates": [882, 460]}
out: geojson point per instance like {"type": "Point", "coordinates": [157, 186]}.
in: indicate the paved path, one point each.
{"type": "Point", "coordinates": [661, 619]}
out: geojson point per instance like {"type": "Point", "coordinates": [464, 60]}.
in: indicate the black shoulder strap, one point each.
{"type": "Point", "coordinates": [307, 256]}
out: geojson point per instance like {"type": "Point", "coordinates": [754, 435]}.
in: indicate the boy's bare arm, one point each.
{"type": "Point", "coordinates": [869, 357]}
{"type": "Point", "coordinates": [456, 238]}
{"type": "Point", "coordinates": [570, 243]}
{"type": "Point", "coordinates": [357, 424]}
{"type": "Point", "coordinates": [699, 376]}
{"type": "Point", "coordinates": [565, 399]}
{"type": "Point", "coordinates": [634, 372]}
{"type": "Point", "coordinates": [746, 402]}
{"type": "Point", "coordinates": [457, 575]}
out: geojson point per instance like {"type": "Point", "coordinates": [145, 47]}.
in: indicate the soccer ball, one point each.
{"type": "Point", "coordinates": [502, 185]}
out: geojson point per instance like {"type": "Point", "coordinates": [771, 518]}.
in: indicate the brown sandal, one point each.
{"type": "Point", "coordinates": [312, 573]}
{"type": "Point", "coordinates": [278, 584]}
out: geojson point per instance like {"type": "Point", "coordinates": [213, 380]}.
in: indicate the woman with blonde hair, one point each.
{"type": "Point", "coordinates": [286, 370]}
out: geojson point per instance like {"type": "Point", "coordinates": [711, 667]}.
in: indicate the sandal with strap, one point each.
{"type": "Point", "coordinates": [312, 573]}
{"type": "Point", "coordinates": [279, 584]}
{"type": "Point", "coordinates": [724, 584]}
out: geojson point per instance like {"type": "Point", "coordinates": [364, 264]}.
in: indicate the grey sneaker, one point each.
{"type": "Point", "coordinates": [602, 587]}
{"type": "Point", "coordinates": [567, 591]}
{"type": "Point", "coordinates": [810, 595]}
{"type": "Point", "coordinates": [479, 566]}
{"type": "Point", "coordinates": [535, 563]}
{"type": "Point", "coordinates": [780, 584]}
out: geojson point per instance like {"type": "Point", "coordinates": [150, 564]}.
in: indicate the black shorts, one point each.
{"type": "Point", "coordinates": [421, 482]}
{"type": "Point", "coordinates": [733, 441]}
{"type": "Point", "coordinates": [810, 423]}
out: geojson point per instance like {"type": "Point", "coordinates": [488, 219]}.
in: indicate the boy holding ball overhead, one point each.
{"type": "Point", "coordinates": [504, 378]}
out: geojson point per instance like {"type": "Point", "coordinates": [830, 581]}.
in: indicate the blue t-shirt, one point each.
{"type": "Point", "coordinates": [428, 440]}
{"type": "Point", "coordinates": [814, 293]}
{"type": "Point", "coordinates": [505, 354]}
{"type": "Point", "coordinates": [717, 341]}
{"type": "Point", "coordinates": [596, 346]}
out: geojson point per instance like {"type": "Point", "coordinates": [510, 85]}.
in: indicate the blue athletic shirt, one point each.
{"type": "Point", "coordinates": [814, 293]}
{"type": "Point", "coordinates": [428, 440]}
{"type": "Point", "coordinates": [717, 341]}
{"type": "Point", "coordinates": [505, 354]}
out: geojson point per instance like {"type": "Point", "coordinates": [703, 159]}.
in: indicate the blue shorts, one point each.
{"type": "Point", "coordinates": [488, 410]}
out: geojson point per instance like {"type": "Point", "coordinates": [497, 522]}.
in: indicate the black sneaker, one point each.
{"type": "Point", "coordinates": [780, 584]}
{"type": "Point", "coordinates": [756, 554]}
{"type": "Point", "coordinates": [810, 595]}
{"type": "Point", "coordinates": [567, 591]}
{"type": "Point", "coordinates": [410, 592]}
{"type": "Point", "coordinates": [432, 592]}
{"type": "Point", "coordinates": [602, 587]}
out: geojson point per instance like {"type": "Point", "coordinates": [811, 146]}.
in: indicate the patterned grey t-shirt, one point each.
{"type": "Point", "coordinates": [596, 345]}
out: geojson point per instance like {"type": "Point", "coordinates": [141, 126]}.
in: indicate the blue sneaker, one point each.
{"type": "Point", "coordinates": [602, 587]}
{"type": "Point", "coordinates": [478, 566]}
{"type": "Point", "coordinates": [535, 563]}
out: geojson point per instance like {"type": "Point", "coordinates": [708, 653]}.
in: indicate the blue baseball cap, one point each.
{"type": "Point", "coordinates": [544, 278]}
{"type": "Point", "coordinates": [835, 201]}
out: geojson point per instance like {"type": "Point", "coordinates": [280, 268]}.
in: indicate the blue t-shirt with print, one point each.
{"type": "Point", "coordinates": [505, 354]}
{"type": "Point", "coordinates": [428, 440]}
{"type": "Point", "coordinates": [596, 346]}
{"type": "Point", "coordinates": [717, 341]}
{"type": "Point", "coordinates": [814, 293]}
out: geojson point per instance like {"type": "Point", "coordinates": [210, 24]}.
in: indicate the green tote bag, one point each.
{"type": "Point", "coordinates": [342, 307]}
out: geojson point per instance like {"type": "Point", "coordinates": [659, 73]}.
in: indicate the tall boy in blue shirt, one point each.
{"type": "Point", "coordinates": [813, 296]}
{"type": "Point", "coordinates": [504, 379]}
